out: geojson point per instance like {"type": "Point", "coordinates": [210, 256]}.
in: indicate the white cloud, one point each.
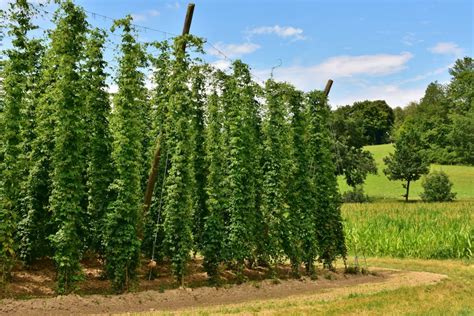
{"type": "Point", "coordinates": [394, 95]}
{"type": "Point", "coordinates": [140, 17]}
{"type": "Point", "coordinates": [410, 39]}
{"type": "Point", "coordinates": [233, 50]}
{"type": "Point", "coordinates": [154, 12]}
{"type": "Point", "coordinates": [428, 74]}
{"type": "Point", "coordinates": [281, 31]}
{"type": "Point", "coordinates": [447, 48]}
{"type": "Point", "coordinates": [221, 64]}
{"type": "Point", "coordinates": [350, 74]}
{"type": "Point", "coordinates": [174, 5]}
{"type": "Point", "coordinates": [347, 67]}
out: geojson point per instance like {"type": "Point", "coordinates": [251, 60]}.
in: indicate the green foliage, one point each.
{"type": "Point", "coordinates": [200, 168]}
{"type": "Point", "coordinates": [302, 245]}
{"type": "Point", "coordinates": [246, 175]}
{"type": "Point", "coordinates": [410, 230]}
{"type": "Point", "coordinates": [180, 182]}
{"type": "Point", "coordinates": [356, 195]}
{"type": "Point", "coordinates": [67, 160]}
{"type": "Point", "coordinates": [444, 116]}
{"type": "Point", "coordinates": [276, 167]}
{"type": "Point", "coordinates": [328, 219]}
{"type": "Point", "coordinates": [153, 227]}
{"type": "Point", "coordinates": [99, 164]}
{"type": "Point", "coordinates": [437, 188]}
{"type": "Point", "coordinates": [372, 121]}
{"type": "Point", "coordinates": [409, 161]}
{"type": "Point", "coordinates": [16, 100]}
{"type": "Point", "coordinates": [122, 245]}
{"type": "Point", "coordinates": [214, 224]}
{"type": "Point", "coordinates": [241, 153]}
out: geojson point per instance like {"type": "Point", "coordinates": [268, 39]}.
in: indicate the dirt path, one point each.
{"type": "Point", "coordinates": [178, 299]}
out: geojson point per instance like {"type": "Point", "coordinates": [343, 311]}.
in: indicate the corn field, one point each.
{"type": "Point", "coordinates": [415, 230]}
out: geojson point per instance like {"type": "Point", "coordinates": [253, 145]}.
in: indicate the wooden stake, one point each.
{"type": "Point", "coordinates": [156, 159]}
{"type": "Point", "coordinates": [328, 88]}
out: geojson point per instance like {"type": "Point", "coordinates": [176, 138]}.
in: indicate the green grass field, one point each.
{"type": "Point", "coordinates": [410, 230]}
{"type": "Point", "coordinates": [378, 187]}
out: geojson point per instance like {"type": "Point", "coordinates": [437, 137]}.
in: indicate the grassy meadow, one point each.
{"type": "Point", "coordinates": [389, 227]}
{"type": "Point", "coordinates": [378, 187]}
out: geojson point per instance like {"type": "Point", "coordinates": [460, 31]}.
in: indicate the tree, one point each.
{"type": "Point", "coordinates": [460, 89]}
{"type": "Point", "coordinates": [122, 245]}
{"type": "Point", "coordinates": [352, 161]}
{"type": "Point", "coordinates": [99, 164]}
{"type": "Point", "coordinates": [409, 162]}
{"type": "Point", "coordinates": [376, 119]}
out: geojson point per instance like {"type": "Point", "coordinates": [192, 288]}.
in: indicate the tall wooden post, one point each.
{"type": "Point", "coordinates": [328, 88]}
{"type": "Point", "coordinates": [156, 158]}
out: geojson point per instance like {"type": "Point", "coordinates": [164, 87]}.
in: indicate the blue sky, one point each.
{"type": "Point", "coordinates": [372, 49]}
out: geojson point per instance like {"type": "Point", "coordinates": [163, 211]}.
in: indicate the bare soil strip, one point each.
{"type": "Point", "coordinates": [328, 287]}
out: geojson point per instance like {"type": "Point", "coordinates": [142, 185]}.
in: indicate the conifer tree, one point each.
{"type": "Point", "coordinates": [122, 245]}
{"type": "Point", "coordinates": [68, 163]}
{"type": "Point", "coordinates": [99, 164]}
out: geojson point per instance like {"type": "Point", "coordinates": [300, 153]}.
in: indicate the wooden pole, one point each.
{"type": "Point", "coordinates": [156, 158]}
{"type": "Point", "coordinates": [328, 88]}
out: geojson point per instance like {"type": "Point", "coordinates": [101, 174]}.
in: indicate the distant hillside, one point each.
{"type": "Point", "coordinates": [379, 187]}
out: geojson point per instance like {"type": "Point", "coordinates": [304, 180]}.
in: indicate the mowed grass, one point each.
{"type": "Point", "coordinates": [452, 296]}
{"type": "Point", "coordinates": [378, 186]}
{"type": "Point", "coordinates": [410, 230]}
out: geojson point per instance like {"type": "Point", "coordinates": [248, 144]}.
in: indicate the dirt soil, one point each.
{"type": "Point", "coordinates": [162, 294]}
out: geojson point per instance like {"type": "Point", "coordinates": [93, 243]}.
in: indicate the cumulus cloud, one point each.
{"type": "Point", "coordinates": [233, 50]}
{"type": "Point", "coordinates": [281, 31]}
{"type": "Point", "coordinates": [305, 77]}
{"type": "Point", "coordinates": [350, 74]}
{"type": "Point", "coordinates": [393, 94]}
{"type": "Point", "coordinates": [447, 48]}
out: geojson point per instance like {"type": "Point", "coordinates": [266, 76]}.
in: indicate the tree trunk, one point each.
{"type": "Point", "coordinates": [408, 190]}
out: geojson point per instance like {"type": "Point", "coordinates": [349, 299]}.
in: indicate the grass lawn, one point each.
{"type": "Point", "coordinates": [452, 296]}
{"type": "Point", "coordinates": [380, 188]}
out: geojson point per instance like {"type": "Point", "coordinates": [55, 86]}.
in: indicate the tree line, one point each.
{"type": "Point", "coordinates": [247, 175]}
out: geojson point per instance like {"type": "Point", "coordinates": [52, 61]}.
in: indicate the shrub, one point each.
{"type": "Point", "coordinates": [357, 195]}
{"type": "Point", "coordinates": [437, 188]}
